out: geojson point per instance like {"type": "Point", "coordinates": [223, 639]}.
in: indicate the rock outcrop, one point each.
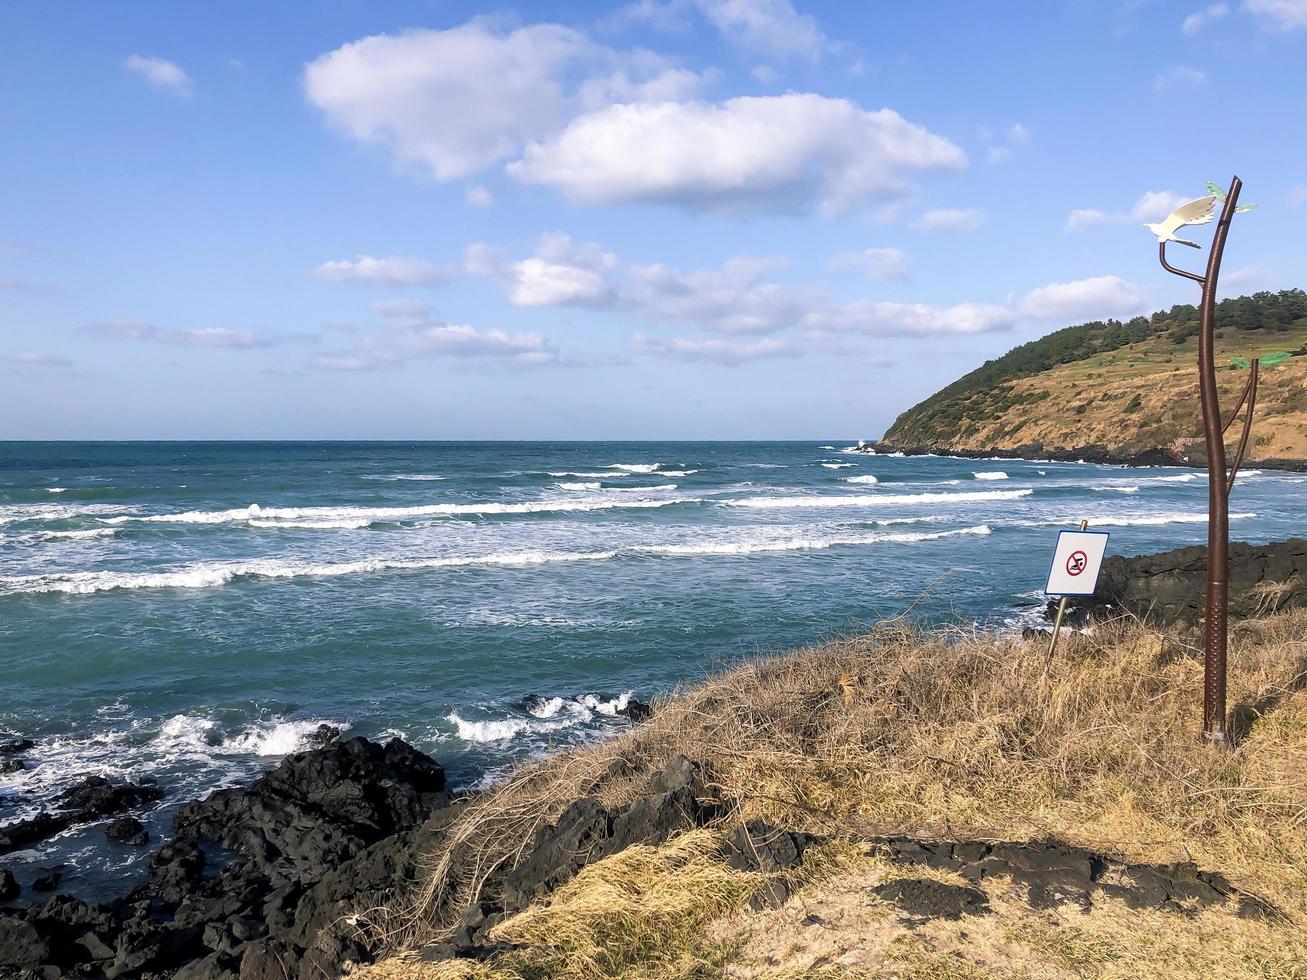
{"type": "Point", "coordinates": [1169, 587]}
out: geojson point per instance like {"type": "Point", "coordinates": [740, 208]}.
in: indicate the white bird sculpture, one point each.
{"type": "Point", "coordinates": [1198, 212]}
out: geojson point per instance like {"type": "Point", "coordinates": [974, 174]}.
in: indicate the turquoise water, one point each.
{"type": "Point", "coordinates": [189, 612]}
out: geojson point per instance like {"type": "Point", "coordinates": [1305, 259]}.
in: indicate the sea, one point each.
{"type": "Point", "coordinates": [189, 613]}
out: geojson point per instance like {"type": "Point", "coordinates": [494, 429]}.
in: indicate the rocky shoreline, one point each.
{"type": "Point", "coordinates": [1037, 452]}
{"type": "Point", "coordinates": [1168, 587]}
{"type": "Point", "coordinates": [283, 879]}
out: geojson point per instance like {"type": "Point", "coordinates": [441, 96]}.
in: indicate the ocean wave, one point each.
{"type": "Point", "coordinates": [40, 537]}
{"type": "Point", "coordinates": [283, 516]}
{"type": "Point", "coordinates": [808, 544]}
{"type": "Point", "coordinates": [579, 486]}
{"type": "Point", "coordinates": [990, 475]}
{"type": "Point", "coordinates": [634, 467]}
{"type": "Point", "coordinates": [1140, 520]}
{"type": "Point", "coordinates": [877, 500]}
{"type": "Point", "coordinates": [837, 466]}
{"type": "Point", "coordinates": [417, 477]}
{"type": "Point", "coordinates": [545, 715]}
{"type": "Point", "coordinates": [56, 489]}
{"type": "Point", "coordinates": [867, 478]}
{"type": "Point", "coordinates": [213, 574]}
{"type": "Point", "coordinates": [606, 475]}
{"type": "Point", "coordinates": [1129, 489]}
{"type": "Point", "coordinates": [210, 574]}
{"type": "Point", "coordinates": [676, 472]}
{"type": "Point", "coordinates": [1178, 478]}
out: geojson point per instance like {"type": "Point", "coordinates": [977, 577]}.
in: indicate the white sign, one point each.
{"type": "Point", "coordinates": [1076, 563]}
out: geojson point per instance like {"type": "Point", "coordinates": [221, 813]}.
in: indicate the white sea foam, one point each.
{"type": "Point", "coordinates": [56, 489]}
{"type": "Point", "coordinates": [281, 516]}
{"type": "Point", "coordinates": [40, 537]}
{"type": "Point", "coordinates": [343, 524]}
{"type": "Point", "coordinates": [488, 731]}
{"type": "Point", "coordinates": [676, 472]}
{"type": "Point", "coordinates": [1179, 478]}
{"type": "Point", "coordinates": [1140, 520]}
{"type": "Point", "coordinates": [417, 477]}
{"type": "Point", "coordinates": [209, 574]}
{"type": "Point", "coordinates": [579, 486]}
{"type": "Point", "coordinates": [606, 475]}
{"type": "Point", "coordinates": [277, 737]}
{"type": "Point", "coordinates": [634, 467]}
{"type": "Point", "coordinates": [990, 475]}
{"type": "Point", "coordinates": [877, 500]}
{"type": "Point", "coordinates": [1131, 489]}
{"type": "Point", "coordinates": [825, 447]}
{"type": "Point", "coordinates": [837, 466]}
{"type": "Point", "coordinates": [762, 546]}
{"type": "Point", "coordinates": [212, 574]}
{"type": "Point", "coordinates": [868, 478]}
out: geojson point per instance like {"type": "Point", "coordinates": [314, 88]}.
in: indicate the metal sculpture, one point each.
{"type": "Point", "coordinates": [1220, 480]}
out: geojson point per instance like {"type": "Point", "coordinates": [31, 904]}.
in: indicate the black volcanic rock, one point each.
{"type": "Point", "coordinates": [127, 830]}
{"type": "Point", "coordinates": [8, 886]}
{"type": "Point", "coordinates": [15, 746]}
{"type": "Point", "coordinates": [1169, 587]}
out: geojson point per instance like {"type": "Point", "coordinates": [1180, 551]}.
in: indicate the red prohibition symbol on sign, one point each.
{"type": "Point", "coordinates": [1076, 562]}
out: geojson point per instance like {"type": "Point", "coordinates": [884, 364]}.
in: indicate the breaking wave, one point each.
{"type": "Point", "coordinates": [878, 500]}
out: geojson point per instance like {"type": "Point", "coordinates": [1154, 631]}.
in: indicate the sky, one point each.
{"type": "Point", "coordinates": [666, 219]}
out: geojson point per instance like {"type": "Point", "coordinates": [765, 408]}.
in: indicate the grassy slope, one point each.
{"type": "Point", "coordinates": [1068, 393]}
{"type": "Point", "coordinates": [951, 736]}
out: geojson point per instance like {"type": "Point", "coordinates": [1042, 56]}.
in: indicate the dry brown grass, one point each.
{"type": "Point", "coordinates": [940, 734]}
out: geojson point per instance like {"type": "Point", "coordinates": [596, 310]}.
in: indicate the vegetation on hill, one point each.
{"type": "Point", "coordinates": [994, 406]}
{"type": "Point", "coordinates": [959, 737]}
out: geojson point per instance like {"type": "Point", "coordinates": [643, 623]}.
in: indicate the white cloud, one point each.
{"type": "Point", "coordinates": [999, 154]}
{"type": "Point", "coordinates": [731, 353]}
{"type": "Point", "coordinates": [1245, 276]}
{"type": "Point", "coordinates": [782, 152]}
{"type": "Point", "coordinates": [735, 298]}
{"type": "Point", "coordinates": [1151, 206]}
{"type": "Point", "coordinates": [877, 263]}
{"type": "Point", "coordinates": [412, 332]}
{"type": "Point", "coordinates": [1280, 15]}
{"type": "Point", "coordinates": [561, 272]}
{"type": "Point", "coordinates": [220, 337]}
{"type": "Point", "coordinates": [479, 197]}
{"type": "Point", "coordinates": [1199, 19]}
{"type": "Point", "coordinates": [1179, 76]}
{"type": "Point", "coordinates": [911, 319]}
{"type": "Point", "coordinates": [1082, 299]}
{"type": "Point", "coordinates": [949, 219]}
{"type": "Point", "coordinates": [35, 359]}
{"type": "Point", "coordinates": [160, 73]}
{"type": "Point", "coordinates": [1298, 194]}
{"type": "Point", "coordinates": [769, 27]}
{"type": "Point", "coordinates": [457, 101]}
{"type": "Point", "coordinates": [1018, 134]}
{"type": "Point", "coordinates": [392, 271]}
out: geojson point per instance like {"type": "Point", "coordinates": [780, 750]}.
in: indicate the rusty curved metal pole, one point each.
{"type": "Point", "coordinates": [1215, 626]}
{"type": "Point", "coordinates": [1250, 391]}
{"type": "Point", "coordinates": [1218, 494]}
{"type": "Point", "coordinates": [1250, 387]}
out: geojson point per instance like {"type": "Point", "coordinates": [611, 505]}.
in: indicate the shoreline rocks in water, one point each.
{"type": "Point", "coordinates": [1169, 587]}
{"type": "Point", "coordinates": [264, 881]}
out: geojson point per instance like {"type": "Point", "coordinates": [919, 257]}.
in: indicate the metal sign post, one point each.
{"type": "Point", "coordinates": [1076, 563]}
{"type": "Point", "coordinates": [1219, 480]}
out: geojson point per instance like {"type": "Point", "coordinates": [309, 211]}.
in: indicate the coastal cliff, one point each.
{"type": "Point", "coordinates": [1109, 391]}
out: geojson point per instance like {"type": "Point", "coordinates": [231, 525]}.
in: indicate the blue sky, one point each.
{"type": "Point", "coordinates": [663, 219]}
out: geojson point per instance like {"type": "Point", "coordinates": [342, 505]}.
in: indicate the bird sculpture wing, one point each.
{"type": "Point", "coordinates": [1198, 212]}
